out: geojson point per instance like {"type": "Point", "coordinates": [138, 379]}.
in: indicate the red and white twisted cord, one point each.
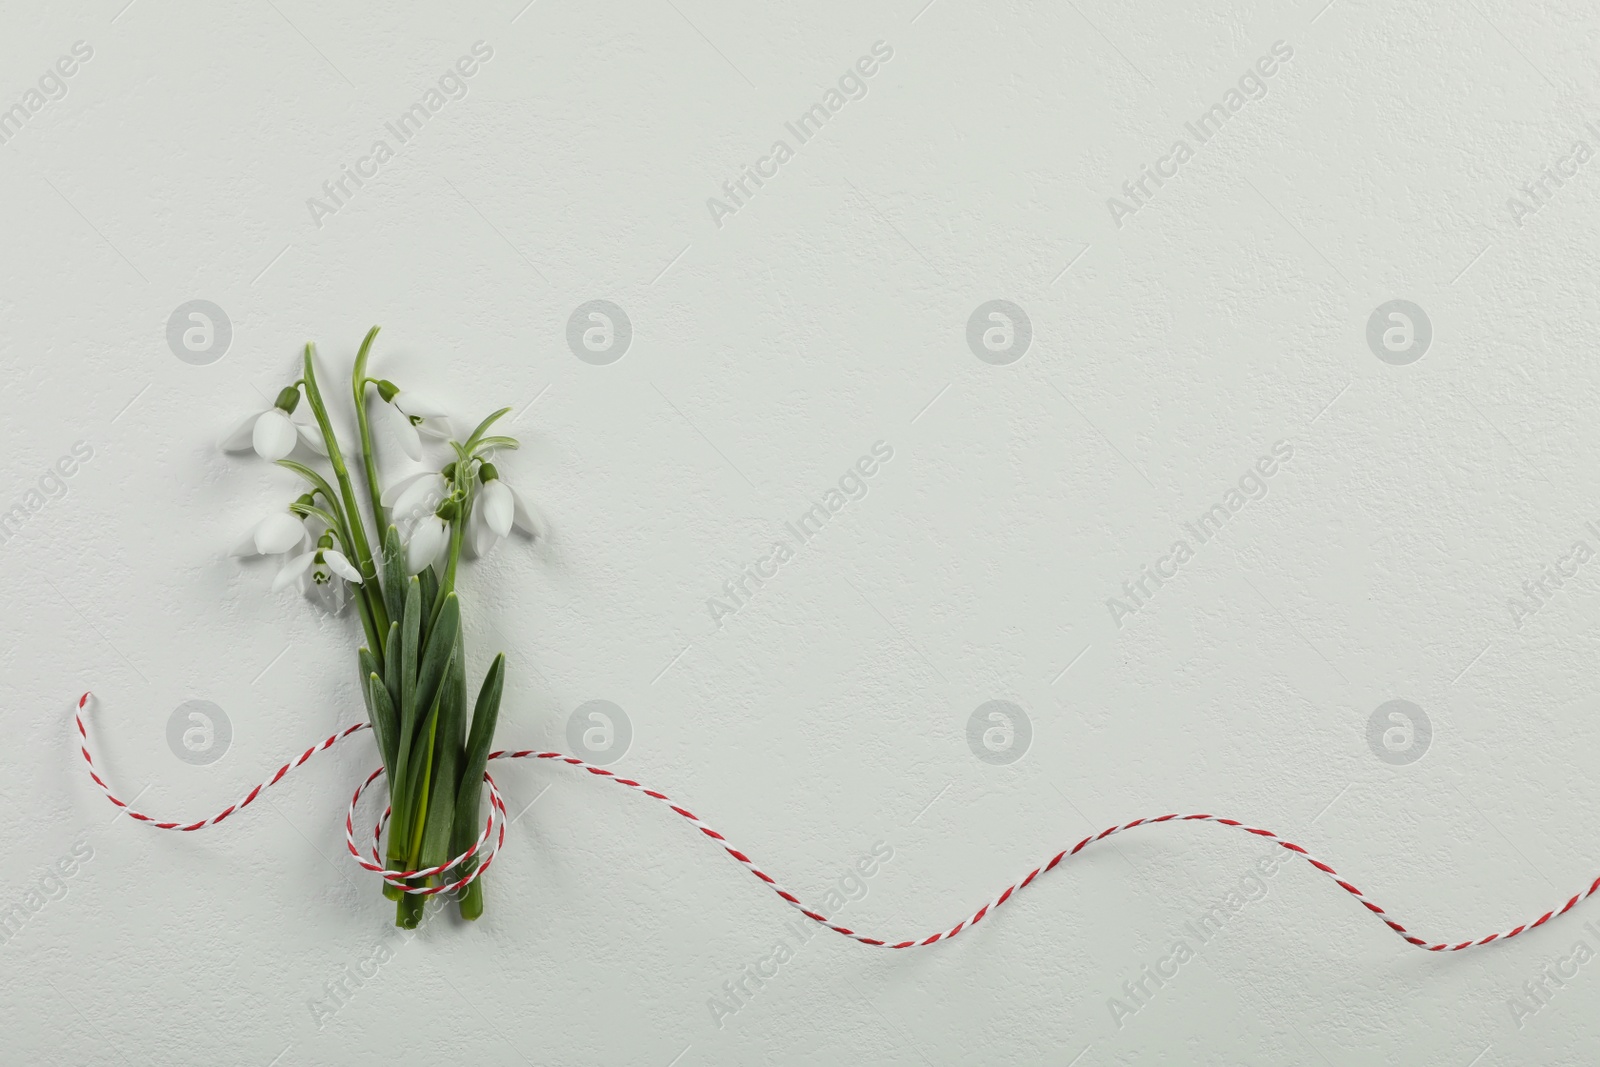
{"type": "Point", "coordinates": [497, 822]}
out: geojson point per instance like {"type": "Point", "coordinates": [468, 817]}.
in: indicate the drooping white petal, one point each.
{"type": "Point", "coordinates": [479, 538]}
{"type": "Point", "coordinates": [427, 543]}
{"type": "Point", "coordinates": [240, 438]}
{"type": "Point", "coordinates": [424, 493]}
{"type": "Point", "coordinates": [312, 437]}
{"type": "Point", "coordinates": [278, 532]}
{"type": "Point", "coordinates": [341, 566]}
{"type": "Point", "coordinates": [398, 428]}
{"type": "Point", "coordinates": [414, 403]}
{"type": "Point", "coordinates": [522, 515]}
{"type": "Point", "coordinates": [498, 507]}
{"type": "Point", "coordinates": [436, 426]}
{"type": "Point", "coordinates": [273, 436]}
{"type": "Point", "coordinates": [329, 597]}
{"type": "Point", "coordinates": [400, 485]}
{"type": "Point", "coordinates": [293, 570]}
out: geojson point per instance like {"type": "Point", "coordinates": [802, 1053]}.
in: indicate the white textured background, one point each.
{"type": "Point", "coordinates": [830, 712]}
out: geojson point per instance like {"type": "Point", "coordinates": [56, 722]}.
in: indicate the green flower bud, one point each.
{"type": "Point", "coordinates": [387, 390]}
{"type": "Point", "coordinates": [288, 399]}
{"type": "Point", "coordinates": [487, 473]}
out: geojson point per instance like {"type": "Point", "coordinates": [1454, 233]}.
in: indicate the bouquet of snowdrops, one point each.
{"type": "Point", "coordinates": [413, 666]}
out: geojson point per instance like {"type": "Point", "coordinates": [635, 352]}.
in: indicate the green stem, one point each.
{"type": "Point", "coordinates": [408, 910]}
{"type": "Point", "coordinates": [333, 524]}
{"type": "Point", "coordinates": [369, 461]}
{"type": "Point", "coordinates": [368, 623]}
{"type": "Point", "coordinates": [471, 900]}
{"type": "Point", "coordinates": [466, 478]}
{"type": "Point", "coordinates": [449, 584]}
{"type": "Point", "coordinates": [320, 484]}
{"type": "Point", "coordinates": [358, 530]}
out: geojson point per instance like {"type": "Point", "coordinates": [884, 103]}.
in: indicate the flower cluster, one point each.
{"type": "Point", "coordinates": [413, 675]}
{"type": "Point", "coordinates": [423, 504]}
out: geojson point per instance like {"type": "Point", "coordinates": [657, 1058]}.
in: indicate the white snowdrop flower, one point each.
{"type": "Point", "coordinates": [408, 415]}
{"type": "Point", "coordinates": [324, 562]}
{"type": "Point", "coordinates": [415, 493]}
{"type": "Point", "coordinates": [500, 509]}
{"type": "Point", "coordinates": [272, 433]}
{"type": "Point", "coordinates": [276, 534]}
{"type": "Point", "coordinates": [427, 545]}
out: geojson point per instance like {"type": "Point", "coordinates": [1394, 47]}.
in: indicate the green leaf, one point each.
{"type": "Point", "coordinates": [505, 444]}
{"type": "Point", "coordinates": [418, 766]}
{"type": "Point", "coordinates": [416, 760]}
{"type": "Point", "coordinates": [359, 371]}
{"type": "Point", "coordinates": [430, 593]}
{"type": "Point", "coordinates": [485, 715]}
{"type": "Point", "coordinates": [441, 643]}
{"type": "Point", "coordinates": [311, 476]}
{"type": "Point", "coordinates": [410, 635]}
{"type": "Point", "coordinates": [483, 427]}
{"type": "Point", "coordinates": [394, 573]}
{"type": "Point", "coordinates": [367, 662]}
{"type": "Point", "coordinates": [391, 662]}
{"type": "Point", "coordinates": [448, 755]}
{"type": "Point", "coordinates": [384, 720]}
{"type": "Point", "coordinates": [311, 510]}
{"type": "Point", "coordinates": [399, 783]}
{"type": "Point", "coordinates": [380, 715]}
{"type": "Point", "coordinates": [365, 657]}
